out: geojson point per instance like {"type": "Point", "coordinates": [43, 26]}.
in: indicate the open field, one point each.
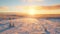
{"type": "Point", "coordinates": [28, 25]}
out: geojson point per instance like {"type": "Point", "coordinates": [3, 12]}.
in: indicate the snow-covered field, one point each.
{"type": "Point", "coordinates": [30, 26]}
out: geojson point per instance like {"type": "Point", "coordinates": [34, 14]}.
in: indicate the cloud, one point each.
{"type": "Point", "coordinates": [21, 7]}
{"type": "Point", "coordinates": [32, 0]}
{"type": "Point", "coordinates": [38, 8]}
{"type": "Point", "coordinates": [25, 8]}
{"type": "Point", "coordinates": [39, 0]}
{"type": "Point", "coordinates": [29, 0]}
{"type": "Point", "coordinates": [52, 7]}
{"type": "Point", "coordinates": [4, 8]}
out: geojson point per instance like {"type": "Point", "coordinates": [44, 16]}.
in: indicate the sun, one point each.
{"type": "Point", "coordinates": [31, 11]}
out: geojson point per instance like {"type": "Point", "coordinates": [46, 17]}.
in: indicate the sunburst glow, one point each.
{"type": "Point", "coordinates": [31, 11]}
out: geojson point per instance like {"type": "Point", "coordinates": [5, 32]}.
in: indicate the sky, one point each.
{"type": "Point", "coordinates": [28, 2]}
{"type": "Point", "coordinates": [19, 5]}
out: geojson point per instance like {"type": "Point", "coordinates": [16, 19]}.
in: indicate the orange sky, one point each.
{"type": "Point", "coordinates": [54, 9]}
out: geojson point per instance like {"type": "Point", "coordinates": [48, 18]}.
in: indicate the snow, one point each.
{"type": "Point", "coordinates": [29, 26]}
